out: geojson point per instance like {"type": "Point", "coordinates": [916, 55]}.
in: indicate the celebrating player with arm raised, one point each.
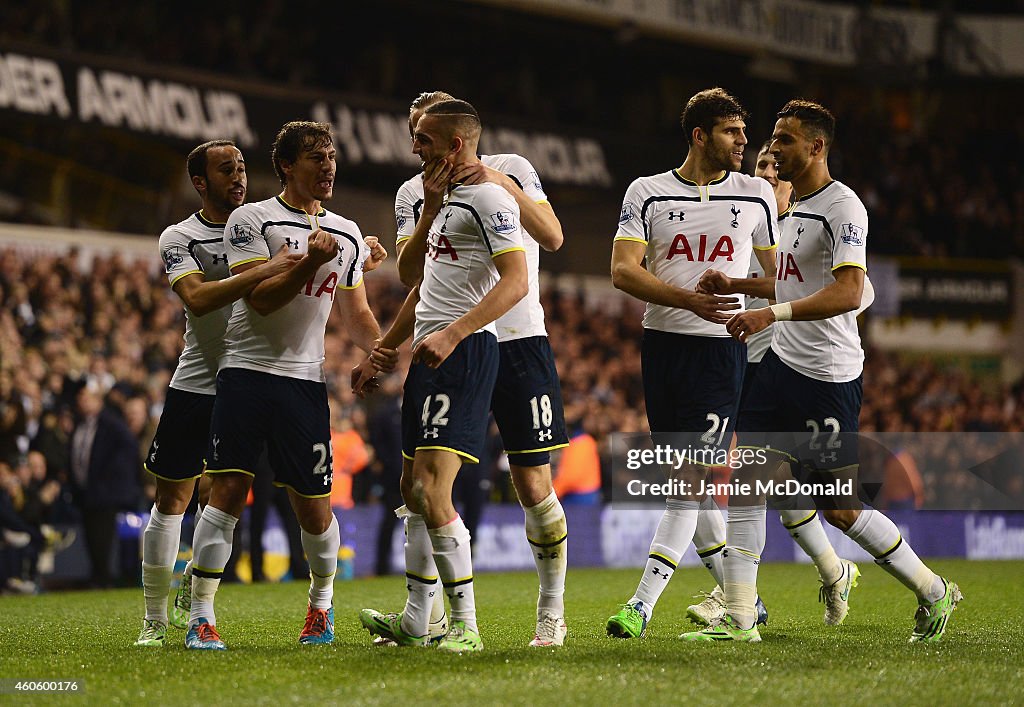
{"type": "Point", "coordinates": [271, 382]}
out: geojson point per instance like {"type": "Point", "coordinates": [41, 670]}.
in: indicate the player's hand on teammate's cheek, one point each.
{"type": "Point", "coordinates": [477, 173]}
{"type": "Point", "coordinates": [469, 173]}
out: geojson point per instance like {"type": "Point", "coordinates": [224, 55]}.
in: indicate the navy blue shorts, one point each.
{"type": "Point", "coordinates": [179, 444]}
{"type": "Point", "coordinates": [813, 422]}
{"type": "Point", "coordinates": [527, 401]}
{"type": "Point", "coordinates": [447, 407]}
{"type": "Point", "coordinates": [749, 373]}
{"type": "Point", "coordinates": [692, 388]}
{"type": "Point", "coordinates": [291, 415]}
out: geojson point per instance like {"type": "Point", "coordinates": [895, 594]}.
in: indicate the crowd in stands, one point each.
{"type": "Point", "coordinates": [925, 159]}
{"type": "Point", "coordinates": [87, 349]}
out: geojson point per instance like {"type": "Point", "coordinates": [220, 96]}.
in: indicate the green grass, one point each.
{"type": "Point", "coordinates": [88, 636]}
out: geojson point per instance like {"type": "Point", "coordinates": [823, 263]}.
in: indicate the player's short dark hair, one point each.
{"type": "Point", "coordinates": [464, 120]}
{"type": "Point", "coordinates": [815, 118]}
{"type": "Point", "coordinates": [764, 146]}
{"type": "Point", "coordinates": [293, 138]}
{"type": "Point", "coordinates": [706, 108]}
{"type": "Point", "coordinates": [198, 159]}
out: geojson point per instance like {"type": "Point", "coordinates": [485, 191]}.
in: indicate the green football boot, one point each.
{"type": "Point", "coordinates": [930, 619]}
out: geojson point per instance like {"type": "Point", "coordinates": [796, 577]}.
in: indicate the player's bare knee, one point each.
{"type": "Point", "coordinates": [316, 523]}
{"type": "Point", "coordinates": [229, 491]}
{"type": "Point", "coordinates": [205, 485]}
{"type": "Point", "coordinates": [172, 498]}
{"type": "Point", "coordinates": [841, 518]}
{"type": "Point", "coordinates": [532, 483]}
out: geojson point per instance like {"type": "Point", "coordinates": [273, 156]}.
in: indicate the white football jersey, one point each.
{"type": "Point", "coordinates": [290, 341]}
{"type": "Point", "coordinates": [759, 343]}
{"type": "Point", "coordinates": [821, 233]}
{"type": "Point", "coordinates": [689, 229]}
{"type": "Point", "coordinates": [526, 318]}
{"type": "Point", "coordinates": [196, 245]}
{"type": "Point", "coordinates": [478, 223]}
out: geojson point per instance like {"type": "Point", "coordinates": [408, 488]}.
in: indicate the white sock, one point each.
{"type": "Point", "coordinates": [709, 538]}
{"type": "Point", "coordinates": [322, 555]}
{"type": "Point", "coordinates": [455, 567]}
{"type": "Point", "coordinates": [437, 605]}
{"type": "Point", "coordinates": [674, 533]}
{"type": "Point", "coordinates": [159, 551]}
{"type": "Point", "coordinates": [874, 532]}
{"type": "Point", "coordinates": [195, 524]}
{"type": "Point", "coordinates": [745, 535]}
{"type": "Point", "coordinates": [421, 575]}
{"type": "Point", "coordinates": [805, 529]}
{"type": "Point", "coordinates": [211, 552]}
{"type": "Point", "coordinates": [547, 533]}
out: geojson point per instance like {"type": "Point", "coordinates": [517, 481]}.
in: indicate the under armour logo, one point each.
{"type": "Point", "coordinates": [799, 232]}
{"type": "Point", "coordinates": [735, 216]}
{"type": "Point", "coordinates": [432, 433]}
{"type": "Point", "coordinates": [829, 457]}
{"type": "Point", "coordinates": [294, 245]}
{"type": "Point", "coordinates": [664, 575]}
{"type": "Point", "coordinates": [216, 441]}
{"type": "Point", "coordinates": [220, 259]}
{"type": "Point", "coordinates": [456, 595]}
{"type": "Point", "coordinates": [672, 215]}
{"type": "Point", "coordinates": [544, 436]}
{"type": "Point", "coordinates": [550, 556]}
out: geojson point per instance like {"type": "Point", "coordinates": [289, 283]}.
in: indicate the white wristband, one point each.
{"type": "Point", "coordinates": [783, 311]}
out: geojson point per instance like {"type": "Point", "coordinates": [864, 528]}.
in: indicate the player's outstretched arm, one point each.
{"type": "Point", "coordinates": [839, 297]}
{"type": "Point", "coordinates": [717, 282]}
{"type": "Point", "coordinates": [842, 296]}
{"type": "Point", "coordinates": [275, 292]}
{"type": "Point", "coordinates": [402, 328]}
{"type": "Point", "coordinates": [630, 276]}
{"type": "Point", "coordinates": [512, 286]}
{"type": "Point", "coordinates": [384, 356]}
{"type": "Point", "coordinates": [358, 319]}
{"type": "Point", "coordinates": [538, 219]}
{"type": "Point", "coordinates": [202, 297]}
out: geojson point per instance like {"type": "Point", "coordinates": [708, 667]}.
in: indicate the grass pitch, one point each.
{"type": "Point", "coordinates": [88, 636]}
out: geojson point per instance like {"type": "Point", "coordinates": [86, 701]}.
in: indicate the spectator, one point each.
{"type": "Point", "coordinates": [105, 469]}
